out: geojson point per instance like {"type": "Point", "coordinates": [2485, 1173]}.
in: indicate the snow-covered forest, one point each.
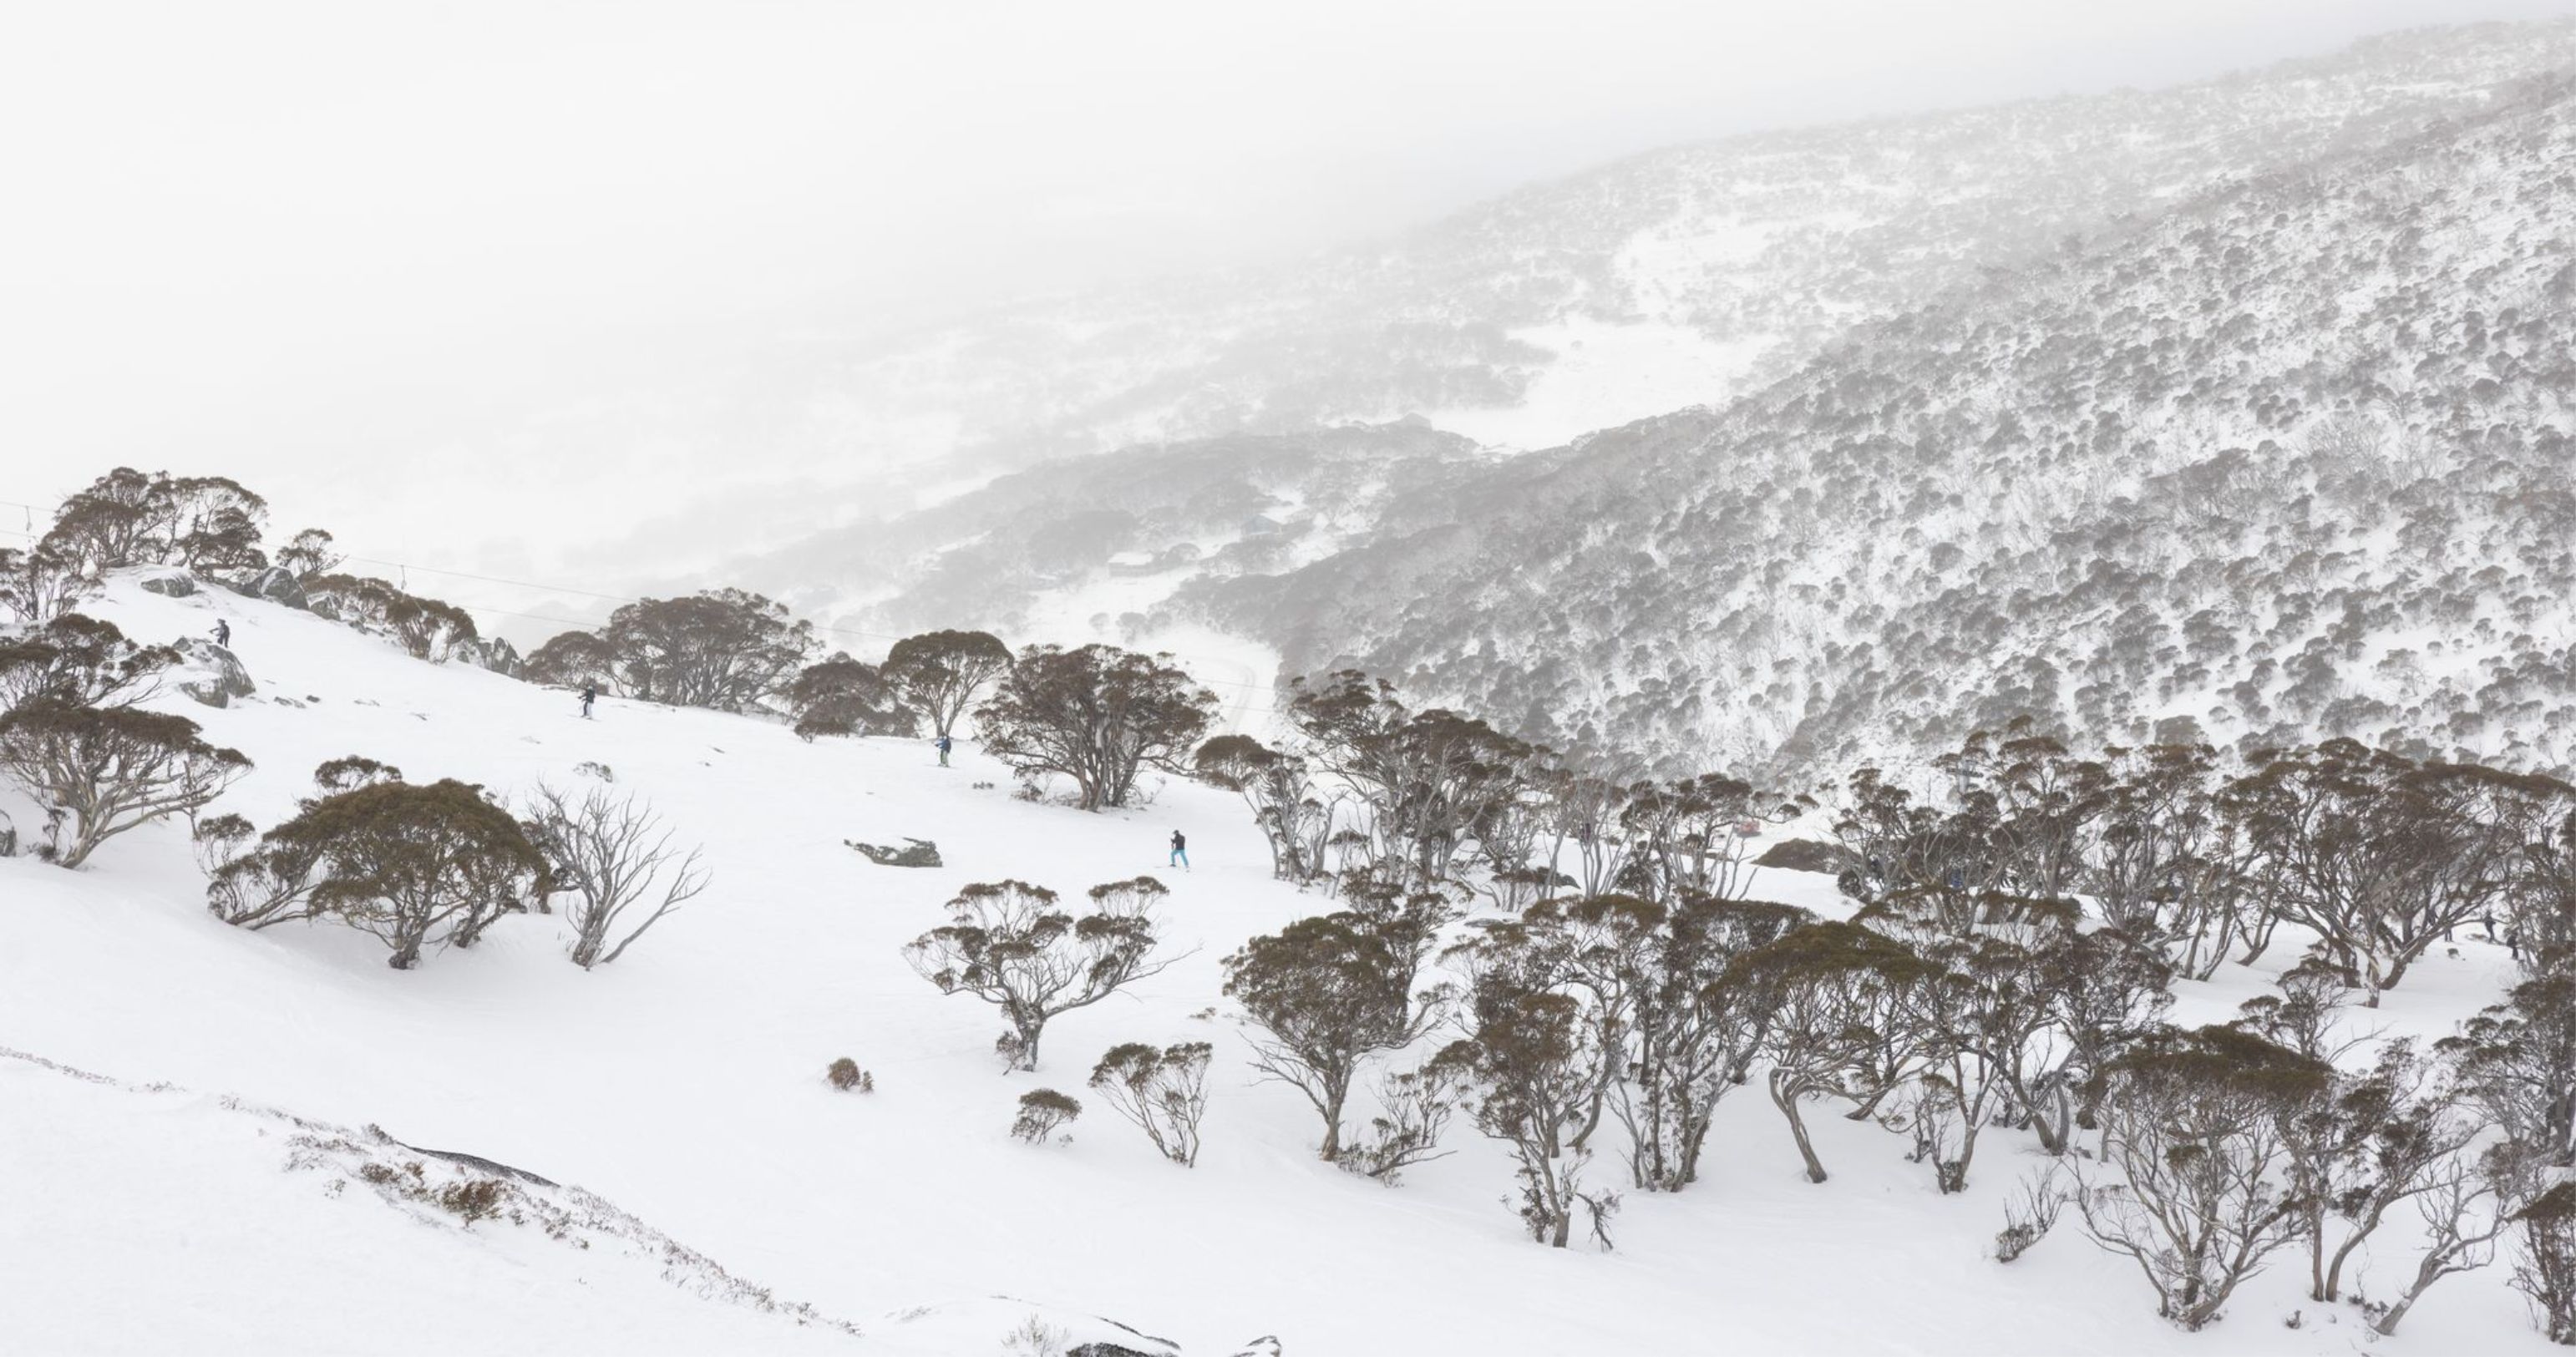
{"type": "Point", "coordinates": [1944, 735]}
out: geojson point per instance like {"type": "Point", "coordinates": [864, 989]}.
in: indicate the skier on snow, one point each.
{"type": "Point", "coordinates": [589, 694]}
{"type": "Point", "coordinates": [1180, 851]}
{"type": "Point", "coordinates": [942, 745]}
{"type": "Point", "coordinates": [223, 633]}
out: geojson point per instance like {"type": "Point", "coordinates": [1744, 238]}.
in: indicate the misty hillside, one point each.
{"type": "Point", "coordinates": [1950, 735]}
{"type": "Point", "coordinates": [1675, 278]}
{"type": "Point", "coordinates": [2292, 460]}
{"type": "Point", "coordinates": [2287, 456]}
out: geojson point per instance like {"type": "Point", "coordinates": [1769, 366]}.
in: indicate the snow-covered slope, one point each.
{"type": "Point", "coordinates": [1684, 276]}
{"type": "Point", "coordinates": [683, 1084]}
{"type": "Point", "coordinates": [2289, 461]}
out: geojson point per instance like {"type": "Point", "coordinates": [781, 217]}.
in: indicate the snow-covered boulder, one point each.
{"type": "Point", "coordinates": [170, 584]}
{"type": "Point", "coordinates": [275, 585]}
{"type": "Point", "coordinates": [213, 676]}
{"type": "Point", "coordinates": [921, 853]}
{"type": "Point", "coordinates": [489, 652]}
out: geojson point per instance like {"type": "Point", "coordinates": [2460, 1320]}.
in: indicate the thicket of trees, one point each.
{"type": "Point", "coordinates": [728, 649]}
{"type": "Point", "coordinates": [426, 866]}
{"type": "Point", "coordinates": [425, 627]}
{"type": "Point", "coordinates": [2008, 965]}
{"type": "Point", "coordinates": [75, 740]}
{"type": "Point", "coordinates": [212, 526]}
{"type": "Point", "coordinates": [204, 523]}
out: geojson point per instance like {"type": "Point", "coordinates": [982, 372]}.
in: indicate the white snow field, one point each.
{"type": "Point", "coordinates": [683, 1085]}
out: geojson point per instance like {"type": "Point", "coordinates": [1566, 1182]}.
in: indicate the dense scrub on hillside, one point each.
{"type": "Point", "coordinates": [2266, 456]}
{"type": "Point", "coordinates": [2289, 463]}
{"type": "Point", "coordinates": [2017, 936]}
{"type": "Point", "coordinates": [1763, 247]}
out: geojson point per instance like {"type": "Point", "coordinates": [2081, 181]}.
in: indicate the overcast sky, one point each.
{"type": "Point", "coordinates": [273, 235]}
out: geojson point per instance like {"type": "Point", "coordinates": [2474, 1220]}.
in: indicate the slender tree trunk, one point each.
{"type": "Point", "coordinates": [1785, 1095]}
{"type": "Point", "coordinates": [1335, 1092]}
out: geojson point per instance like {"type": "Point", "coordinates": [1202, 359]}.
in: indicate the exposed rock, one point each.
{"type": "Point", "coordinates": [173, 584]}
{"type": "Point", "coordinates": [489, 652]}
{"type": "Point", "coordinates": [491, 1166]}
{"type": "Point", "coordinates": [214, 677]}
{"type": "Point", "coordinates": [1805, 855]}
{"type": "Point", "coordinates": [1265, 1346]}
{"type": "Point", "coordinates": [275, 585]}
{"type": "Point", "coordinates": [922, 853]}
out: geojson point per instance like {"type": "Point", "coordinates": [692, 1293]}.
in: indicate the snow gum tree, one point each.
{"type": "Point", "coordinates": [1162, 1091]}
{"type": "Point", "coordinates": [937, 675]}
{"type": "Point", "coordinates": [2168, 868]}
{"type": "Point", "coordinates": [2383, 856]}
{"type": "Point", "coordinates": [1325, 993]}
{"type": "Point", "coordinates": [1978, 1012]}
{"type": "Point", "coordinates": [610, 854]}
{"type": "Point", "coordinates": [1428, 778]}
{"type": "Point", "coordinates": [1834, 995]}
{"type": "Point", "coordinates": [2396, 1134]}
{"type": "Point", "coordinates": [1098, 715]}
{"type": "Point", "coordinates": [129, 518]}
{"type": "Point", "coordinates": [415, 866]}
{"type": "Point", "coordinates": [728, 649]}
{"type": "Point", "coordinates": [110, 769]}
{"type": "Point", "coordinates": [1281, 793]}
{"type": "Point", "coordinates": [426, 628]}
{"type": "Point", "coordinates": [571, 659]}
{"type": "Point", "coordinates": [1014, 946]}
{"type": "Point", "coordinates": [1692, 1037]}
{"type": "Point", "coordinates": [2105, 993]}
{"type": "Point", "coordinates": [41, 583]}
{"type": "Point", "coordinates": [2196, 1183]}
{"type": "Point", "coordinates": [81, 661]}
{"type": "Point", "coordinates": [2517, 1066]}
{"type": "Point", "coordinates": [843, 696]}
{"type": "Point", "coordinates": [310, 553]}
{"type": "Point", "coordinates": [1687, 838]}
{"type": "Point", "coordinates": [1042, 1112]}
{"type": "Point", "coordinates": [1535, 1062]}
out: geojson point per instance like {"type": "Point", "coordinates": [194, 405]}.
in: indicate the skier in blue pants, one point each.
{"type": "Point", "coordinates": [1180, 851]}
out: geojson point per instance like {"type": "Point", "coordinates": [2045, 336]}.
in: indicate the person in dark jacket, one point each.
{"type": "Point", "coordinates": [1180, 851]}
{"type": "Point", "coordinates": [942, 744]}
{"type": "Point", "coordinates": [223, 633]}
{"type": "Point", "coordinates": [589, 694]}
